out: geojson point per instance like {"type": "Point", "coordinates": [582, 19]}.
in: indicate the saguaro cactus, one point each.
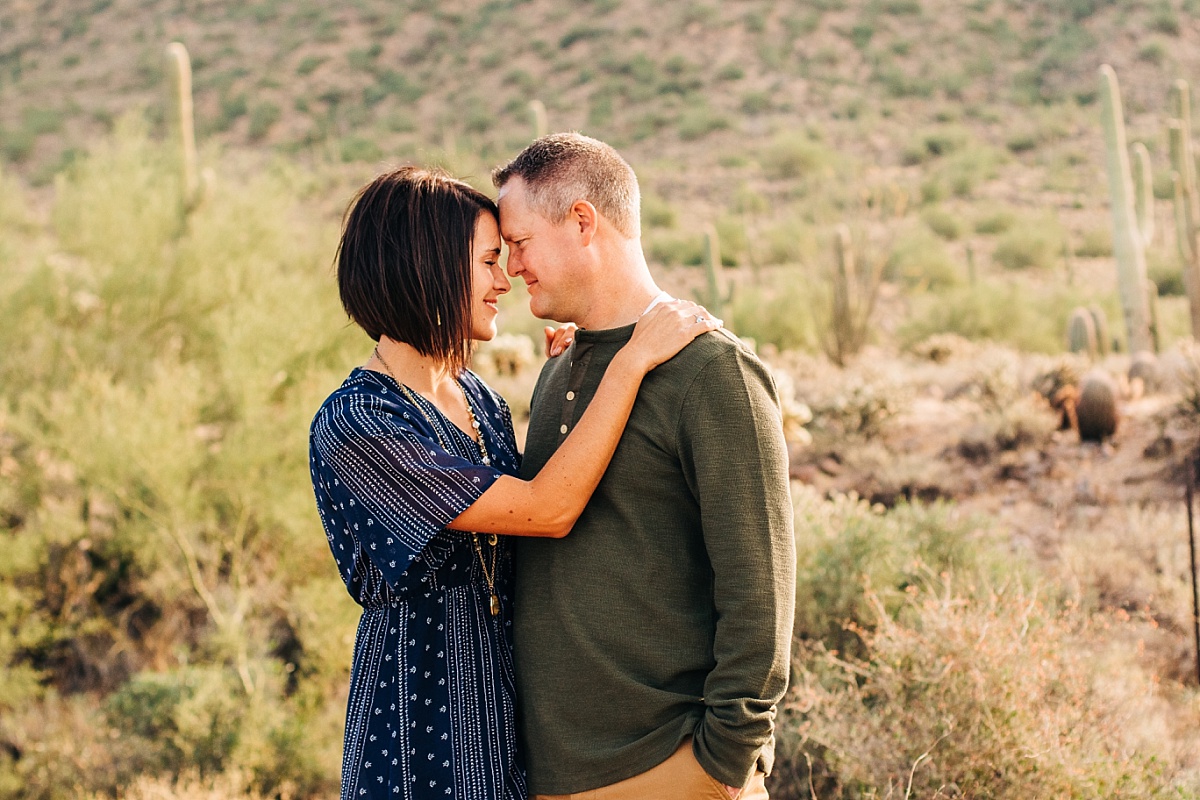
{"type": "Point", "coordinates": [1128, 244]}
{"type": "Point", "coordinates": [855, 290]}
{"type": "Point", "coordinates": [1100, 322]}
{"type": "Point", "coordinates": [184, 122]}
{"type": "Point", "coordinates": [537, 110]}
{"type": "Point", "coordinates": [719, 291]}
{"type": "Point", "coordinates": [1081, 333]}
{"type": "Point", "coordinates": [1187, 203]}
{"type": "Point", "coordinates": [1143, 192]}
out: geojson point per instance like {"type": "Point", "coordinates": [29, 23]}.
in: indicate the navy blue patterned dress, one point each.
{"type": "Point", "coordinates": [431, 707]}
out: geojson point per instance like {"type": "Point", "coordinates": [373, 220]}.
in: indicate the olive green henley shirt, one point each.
{"type": "Point", "coordinates": [667, 611]}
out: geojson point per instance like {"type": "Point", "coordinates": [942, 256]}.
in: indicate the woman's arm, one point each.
{"type": "Point", "coordinates": [549, 504]}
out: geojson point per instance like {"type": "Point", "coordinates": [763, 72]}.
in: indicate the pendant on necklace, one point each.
{"type": "Point", "coordinates": [492, 539]}
{"type": "Point", "coordinates": [495, 606]}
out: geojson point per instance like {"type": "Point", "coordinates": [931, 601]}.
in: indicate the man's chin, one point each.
{"type": "Point", "coordinates": [541, 310]}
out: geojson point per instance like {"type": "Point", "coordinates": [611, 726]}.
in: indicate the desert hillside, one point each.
{"type": "Point", "coordinates": [902, 205]}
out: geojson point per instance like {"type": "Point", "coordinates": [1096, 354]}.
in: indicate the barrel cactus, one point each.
{"type": "Point", "coordinates": [1096, 410]}
{"type": "Point", "coordinates": [1145, 371]}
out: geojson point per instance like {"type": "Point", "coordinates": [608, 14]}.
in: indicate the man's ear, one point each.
{"type": "Point", "coordinates": [585, 215]}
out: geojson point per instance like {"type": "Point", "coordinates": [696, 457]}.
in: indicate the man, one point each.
{"type": "Point", "coordinates": [652, 644]}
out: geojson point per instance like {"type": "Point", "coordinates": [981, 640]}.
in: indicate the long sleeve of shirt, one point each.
{"type": "Point", "coordinates": [735, 461]}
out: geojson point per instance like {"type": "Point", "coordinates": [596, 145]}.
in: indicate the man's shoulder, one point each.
{"type": "Point", "coordinates": [714, 348]}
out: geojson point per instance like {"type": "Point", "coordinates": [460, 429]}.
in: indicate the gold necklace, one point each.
{"type": "Point", "coordinates": [493, 540]}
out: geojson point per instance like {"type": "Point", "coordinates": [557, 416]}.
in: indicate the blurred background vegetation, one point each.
{"type": "Point", "coordinates": [170, 622]}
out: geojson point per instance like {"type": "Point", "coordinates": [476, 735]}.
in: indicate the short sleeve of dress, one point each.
{"type": "Point", "coordinates": [396, 486]}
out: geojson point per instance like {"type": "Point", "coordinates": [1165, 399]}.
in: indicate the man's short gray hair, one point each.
{"type": "Point", "coordinates": [564, 168]}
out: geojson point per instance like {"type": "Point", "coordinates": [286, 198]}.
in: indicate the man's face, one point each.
{"type": "Point", "coordinates": [540, 253]}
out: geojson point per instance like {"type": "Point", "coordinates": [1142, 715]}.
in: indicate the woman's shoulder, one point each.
{"type": "Point", "coordinates": [364, 393]}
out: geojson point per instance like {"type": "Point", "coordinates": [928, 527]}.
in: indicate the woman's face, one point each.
{"type": "Point", "coordinates": [488, 280]}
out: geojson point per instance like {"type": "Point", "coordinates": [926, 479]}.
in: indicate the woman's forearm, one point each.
{"type": "Point", "coordinates": [549, 504]}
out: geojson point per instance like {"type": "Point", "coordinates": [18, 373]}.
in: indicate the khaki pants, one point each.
{"type": "Point", "coordinates": [680, 777]}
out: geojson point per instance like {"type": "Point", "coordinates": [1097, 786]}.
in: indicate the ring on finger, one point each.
{"type": "Point", "coordinates": [699, 318]}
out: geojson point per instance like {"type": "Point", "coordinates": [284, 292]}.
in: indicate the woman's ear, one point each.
{"type": "Point", "coordinates": [585, 215]}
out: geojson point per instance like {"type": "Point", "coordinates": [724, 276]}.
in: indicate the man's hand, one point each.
{"type": "Point", "coordinates": [557, 341]}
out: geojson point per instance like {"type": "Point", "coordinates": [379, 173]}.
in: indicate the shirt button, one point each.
{"type": "Point", "coordinates": [570, 395]}
{"type": "Point", "coordinates": [562, 428]}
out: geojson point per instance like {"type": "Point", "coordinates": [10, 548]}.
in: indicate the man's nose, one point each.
{"type": "Point", "coordinates": [513, 264]}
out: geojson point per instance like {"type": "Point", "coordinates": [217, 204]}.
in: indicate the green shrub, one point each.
{"type": "Point", "coordinates": [673, 247]}
{"type": "Point", "coordinates": [231, 108]}
{"type": "Point", "coordinates": [364, 60]}
{"type": "Point", "coordinates": [942, 222]}
{"type": "Point", "coordinates": [920, 259]}
{"type": "Point", "coordinates": [582, 33]}
{"type": "Point", "coordinates": [793, 155]}
{"type": "Point", "coordinates": [309, 64]}
{"type": "Point", "coordinates": [755, 103]}
{"type": "Point", "coordinates": [1022, 142]}
{"type": "Point", "coordinates": [999, 694]}
{"type": "Point", "coordinates": [1165, 19]}
{"type": "Point", "coordinates": [39, 121]}
{"type": "Point", "coordinates": [781, 313]}
{"type": "Point", "coordinates": [845, 546]}
{"type": "Point", "coordinates": [899, 83]}
{"type": "Point", "coordinates": [1094, 243]}
{"type": "Point", "coordinates": [995, 220]}
{"type": "Point", "coordinates": [1166, 274]}
{"type": "Point", "coordinates": [181, 719]}
{"type": "Point", "coordinates": [16, 145]}
{"type": "Point", "coordinates": [657, 212]}
{"type": "Point", "coordinates": [699, 121]}
{"type": "Point", "coordinates": [1034, 244]}
{"type": "Point", "coordinates": [194, 469]}
{"type": "Point", "coordinates": [1030, 318]}
{"type": "Point", "coordinates": [262, 118]}
{"type": "Point", "coordinates": [1153, 52]}
{"type": "Point", "coordinates": [963, 170]}
{"type": "Point", "coordinates": [359, 148]}
{"type": "Point", "coordinates": [730, 72]}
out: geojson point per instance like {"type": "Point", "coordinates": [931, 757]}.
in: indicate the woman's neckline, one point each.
{"type": "Point", "coordinates": [445, 417]}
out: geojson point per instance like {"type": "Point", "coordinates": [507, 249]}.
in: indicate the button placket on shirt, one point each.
{"type": "Point", "coordinates": [581, 356]}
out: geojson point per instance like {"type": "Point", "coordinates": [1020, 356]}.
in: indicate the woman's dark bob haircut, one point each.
{"type": "Point", "coordinates": [404, 261]}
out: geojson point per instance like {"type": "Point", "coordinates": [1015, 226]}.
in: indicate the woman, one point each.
{"type": "Point", "coordinates": [413, 464]}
